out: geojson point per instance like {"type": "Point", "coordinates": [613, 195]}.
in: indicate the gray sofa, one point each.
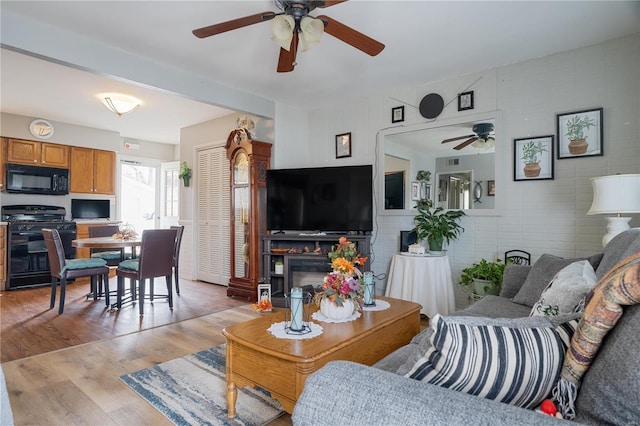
{"type": "Point", "coordinates": [346, 393]}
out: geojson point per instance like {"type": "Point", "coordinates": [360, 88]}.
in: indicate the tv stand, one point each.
{"type": "Point", "coordinates": [302, 253]}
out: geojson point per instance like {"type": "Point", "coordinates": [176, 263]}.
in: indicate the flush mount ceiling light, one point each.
{"type": "Point", "coordinates": [118, 103]}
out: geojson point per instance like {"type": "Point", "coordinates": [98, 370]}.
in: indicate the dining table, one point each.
{"type": "Point", "coordinates": [108, 243]}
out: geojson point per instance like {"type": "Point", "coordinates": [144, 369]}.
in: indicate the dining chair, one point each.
{"type": "Point", "coordinates": [155, 260]}
{"type": "Point", "coordinates": [517, 257]}
{"type": "Point", "coordinates": [112, 256]}
{"type": "Point", "coordinates": [176, 255]}
{"type": "Point", "coordinates": [63, 269]}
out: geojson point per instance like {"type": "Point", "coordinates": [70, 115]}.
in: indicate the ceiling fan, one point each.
{"type": "Point", "coordinates": [294, 26]}
{"type": "Point", "coordinates": [482, 139]}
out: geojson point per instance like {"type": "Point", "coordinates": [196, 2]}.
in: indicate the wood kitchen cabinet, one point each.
{"type": "Point", "coordinates": [92, 171]}
{"type": "Point", "coordinates": [3, 156]}
{"type": "Point", "coordinates": [3, 256]}
{"type": "Point", "coordinates": [36, 153]}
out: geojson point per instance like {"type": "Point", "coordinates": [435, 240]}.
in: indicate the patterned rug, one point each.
{"type": "Point", "coordinates": [192, 391]}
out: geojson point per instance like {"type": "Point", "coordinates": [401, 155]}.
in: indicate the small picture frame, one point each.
{"type": "Point", "coordinates": [264, 292]}
{"type": "Point", "coordinates": [415, 190]}
{"type": "Point", "coordinates": [343, 145]}
{"type": "Point", "coordinates": [533, 158]}
{"type": "Point", "coordinates": [397, 114]}
{"type": "Point", "coordinates": [491, 188]}
{"type": "Point", "coordinates": [465, 101]}
{"type": "Point", "coordinates": [580, 134]}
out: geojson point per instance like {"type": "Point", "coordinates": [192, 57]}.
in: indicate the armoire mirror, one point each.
{"type": "Point", "coordinates": [459, 178]}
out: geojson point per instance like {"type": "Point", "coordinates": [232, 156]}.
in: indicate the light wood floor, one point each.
{"type": "Point", "coordinates": [79, 383]}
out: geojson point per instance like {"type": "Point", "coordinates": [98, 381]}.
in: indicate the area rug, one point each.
{"type": "Point", "coordinates": [192, 391]}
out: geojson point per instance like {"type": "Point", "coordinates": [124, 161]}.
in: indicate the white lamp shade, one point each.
{"type": "Point", "coordinates": [311, 31]}
{"type": "Point", "coordinates": [282, 28]}
{"type": "Point", "coordinates": [616, 194]}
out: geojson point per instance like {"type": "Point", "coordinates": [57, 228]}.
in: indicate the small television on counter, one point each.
{"type": "Point", "coordinates": [326, 199]}
{"type": "Point", "coordinates": [90, 209]}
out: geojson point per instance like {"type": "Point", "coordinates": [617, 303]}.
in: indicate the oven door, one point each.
{"type": "Point", "coordinates": [28, 259]}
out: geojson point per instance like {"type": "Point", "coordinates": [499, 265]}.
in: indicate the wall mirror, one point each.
{"type": "Point", "coordinates": [459, 177]}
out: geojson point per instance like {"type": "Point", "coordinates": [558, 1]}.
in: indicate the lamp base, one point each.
{"type": "Point", "coordinates": [615, 226]}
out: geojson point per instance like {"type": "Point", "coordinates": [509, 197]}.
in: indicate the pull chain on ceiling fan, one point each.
{"type": "Point", "coordinates": [294, 27]}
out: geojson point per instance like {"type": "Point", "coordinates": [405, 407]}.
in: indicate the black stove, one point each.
{"type": "Point", "coordinates": [27, 259]}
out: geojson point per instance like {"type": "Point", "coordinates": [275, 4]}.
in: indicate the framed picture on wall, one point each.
{"type": "Point", "coordinates": [415, 190]}
{"type": "Point", "coordinates": [491, 188]}
{"type": "Point", "coordinates": [533, 158]}
{"type": "Point", "coordinates": [465, 101]}
{"type": "Point", "coordinates": [579, 134]}
{"type": "Point", "coordinates": [343, 145]}
{"type": "Point", "coordinates": [397, 114]}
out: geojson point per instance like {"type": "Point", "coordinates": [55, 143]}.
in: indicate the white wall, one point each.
{"type": "Point", "coordinates": [538, 216]}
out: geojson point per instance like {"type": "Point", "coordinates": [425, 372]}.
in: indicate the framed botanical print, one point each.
{"type": "Point", "coordinates": [533, 158]}
{"type": "Point", "coordinates": [579, 134]}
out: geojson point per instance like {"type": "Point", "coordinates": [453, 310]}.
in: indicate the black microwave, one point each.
{"type": "Point", "coordinates": [37, 180]}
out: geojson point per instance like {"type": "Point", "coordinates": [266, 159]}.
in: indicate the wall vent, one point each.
{"type": "Point", "coordinates": [454, 161]}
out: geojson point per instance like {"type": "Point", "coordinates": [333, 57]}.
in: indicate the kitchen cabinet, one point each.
{"type": "Point", "coordinates": [3, 156]}
{"type": "Point", "coordinates": [36, 153]}
{"type": "Point", "coordinates": [92, 171]}
{"type": "Point", "coordinates": [3, 256]}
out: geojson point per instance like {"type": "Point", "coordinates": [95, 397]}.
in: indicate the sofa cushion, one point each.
{"type": "Point", "coordinates": [566, 291]}
{"type": "Point", "coordinates": [513, 278]}
{"type": "Point", "coordinates": [541, 274]}
{"type": "Point", "coordinates": [622, 245]}
{"type": "Point", "coordinates": [516, 361]}
{"type": "Point", "coordinates": [494, 307]}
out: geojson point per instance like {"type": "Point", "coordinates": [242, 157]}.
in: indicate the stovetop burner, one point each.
{"type": "Point", "coordinates": [33, 213]}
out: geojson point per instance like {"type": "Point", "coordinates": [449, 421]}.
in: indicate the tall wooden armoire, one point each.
{"type": "Point", "coordinates": [249, 160]}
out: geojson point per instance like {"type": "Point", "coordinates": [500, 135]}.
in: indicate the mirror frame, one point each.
{"type": "Point", "coordinates": [495, 115]}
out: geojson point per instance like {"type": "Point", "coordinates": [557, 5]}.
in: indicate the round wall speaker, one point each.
{"type": "Point", "coordinates": [431, 105]}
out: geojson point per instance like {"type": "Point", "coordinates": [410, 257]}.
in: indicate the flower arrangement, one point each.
{"type": "Point", "coordinates": [126, 232]}
{"type": "Point", "coordinates": [345, 282]}
{"type": "Point", "coordinates": [264, 305]}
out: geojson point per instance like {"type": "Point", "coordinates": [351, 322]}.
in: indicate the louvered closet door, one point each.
{"type": "Point", "coordinates": [213, 216]}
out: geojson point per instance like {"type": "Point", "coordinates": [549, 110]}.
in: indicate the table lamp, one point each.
{"type": "Point", "coordinates": [615, 194]}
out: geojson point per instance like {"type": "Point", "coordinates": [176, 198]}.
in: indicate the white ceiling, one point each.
{"type": "Point", "coordinates": [425, 41]}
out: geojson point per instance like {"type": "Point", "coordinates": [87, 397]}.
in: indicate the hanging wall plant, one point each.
{"type": "Point", "coordinates": [185, 173]}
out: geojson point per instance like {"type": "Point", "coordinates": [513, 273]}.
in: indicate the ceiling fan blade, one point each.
{"type": "Point", "coordinates": [457, 139]}
{"type": "Point", "coordinates": [350, 36]}
{"type": "Point", "coordinates": [234, 24]}
{"type": "Point", "coordinates": [465, 143]}
{"type": "Point", "coordinates": [328, 3]}
{"type": "Point", "coordinates": [287, 59]}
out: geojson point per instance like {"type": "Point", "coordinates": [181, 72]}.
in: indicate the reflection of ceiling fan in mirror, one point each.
{"type": "Point", "coordinates": [484, 138]}
{"type": "Point", "coordinates": [294, 26]}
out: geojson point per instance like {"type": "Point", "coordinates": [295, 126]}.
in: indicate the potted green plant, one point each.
{"type": "Point", "coordinates": [530, 152]}
{"type": "Point", "coordinates": [185, 173]}
{"type": "Point", "coordinates": [575, 132]}
{"type": "Point", "coordinates": [485, 276]}
{"type": "Point", "coordinates": [436, 225]}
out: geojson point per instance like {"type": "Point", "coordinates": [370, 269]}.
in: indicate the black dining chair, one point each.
{"type": "Point", "coordinates": [63, 269]}
{"type": "Point", "coordinates": [517, 257]}
{"type": "Point", "coordinates": [176, 255]}
{"type": "Point", "coordinates": [155, 260]}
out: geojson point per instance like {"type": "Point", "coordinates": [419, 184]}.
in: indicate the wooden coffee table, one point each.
{"type": "Point", "coordinates": [257, 358]}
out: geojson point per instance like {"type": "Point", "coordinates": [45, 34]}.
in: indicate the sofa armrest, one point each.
{"type": "Point", "coordinates": [347, 393]}
{"type": "Point", "coordinates": [513, 278]}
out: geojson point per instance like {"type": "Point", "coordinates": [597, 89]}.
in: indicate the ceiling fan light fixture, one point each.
{"type": "Point", "coordinates": [311, 29]}
{"type": "Point", "coordinates": [282, 27]}
{"type": "Point", "coordinates": [483, 144]}
{"type": "Point", "coordinates": [119, 104]}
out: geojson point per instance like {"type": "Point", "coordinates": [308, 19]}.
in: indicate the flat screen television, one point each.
{"type": "Point", "coordinates": [90, 209]}
{"type": "Point", "coordinates": [325, 199]}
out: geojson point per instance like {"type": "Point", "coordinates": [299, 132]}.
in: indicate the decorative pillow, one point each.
{"type": "Point", "coordinates": [541, 274]}
{"type": "Point", "coordinates": [515, 361]}
{"type": "Point", "coordinates": [567, 290]}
